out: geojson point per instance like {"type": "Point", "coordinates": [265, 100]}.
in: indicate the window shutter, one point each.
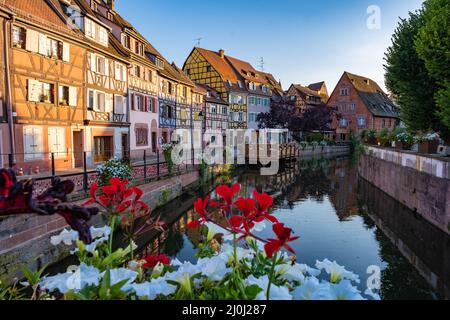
{"type": "Point", "coordinates": [109, 103]}
{"type": "Point", "coordinates": [93, 62]}
{"type": "Point", "coordinates": [32, 41]}
{"type": "Point", "coordinates": [106, 67]}
{"type": "Point", "coordinates": [43, 49]}
{"type": "Point", "coordinates": [66, 52]}
{"type": "Point", "coordinates": [73, 96]}
{"type": "Point", "coordinates": [34, 90]}
{"type": "Point", "coordinates": [133, 104]}
{"type": "Point", "coordinates": [118, 71]}
{"type": "Point", "coordinates": [124, 73]}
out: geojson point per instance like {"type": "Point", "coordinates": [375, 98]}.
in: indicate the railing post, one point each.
{"type": "Point", "coordinates": [53, 165]}
{"type": "Point", "coordinates": [85, 176]}
{"type": "Point", "coordinates": [145, 165]}
{"type": "Point", "coordinates": [157, 164]}
{"type": "Point", "coordinates": [10, 160]}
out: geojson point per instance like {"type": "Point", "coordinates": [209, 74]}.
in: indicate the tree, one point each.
{"type": "Point", "coordinates": [433, 47]}
{"type": "Point", "coordinates": [285, 115]}
{"type": "Point", "coordinates": [408, 79]}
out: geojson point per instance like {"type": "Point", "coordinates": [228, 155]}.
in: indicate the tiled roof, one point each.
{"type": "Point", "coordinates": [373, 96]}
{"type": "Point", "coordinates": [316, 86]}
{"type": "Point", "coordinates": [305, 91]}
{"type": "Point", "coordinates": [221, 65]}
{"type": "Point", "coordinates": [214, 95]}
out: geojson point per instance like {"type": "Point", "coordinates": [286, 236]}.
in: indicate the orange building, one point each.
{"type": "Point", "coordinates": [359, 103]}
{"type": "Point", "coordinates": [46, 72]}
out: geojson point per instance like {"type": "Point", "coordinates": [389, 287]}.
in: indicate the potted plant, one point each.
{"type": "Point", "coordinates": [167, 150]}
{"type": "Point", "coordinates": [403, 140]}
{"type": "Point", "coordinates": [370, 137]}
{"type": "Point", "coordinates": [384, 138]}
{"type": "Point", "coordinates": [427, 143]}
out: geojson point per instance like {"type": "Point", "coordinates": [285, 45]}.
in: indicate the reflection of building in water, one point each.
{"type": "Point", "coordinates": [343, 193]}
{"type": "Point", "coordinates": [425, 247]}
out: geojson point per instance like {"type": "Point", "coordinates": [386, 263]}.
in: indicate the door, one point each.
{"type": "Point", "coordinates": [77, 138]}
{"type": "Point", "coordinates": [103, 149]}
{"type": "Point", "coordinates": [125, 149]}
{"type": "Point", "coordinates": [154, 142]}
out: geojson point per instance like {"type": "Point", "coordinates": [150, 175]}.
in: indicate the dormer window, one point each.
{"type": "Point", "coordinates": [252, 86]}
{"type": "Point", "coordinates": [240, 84]}
{"type": "Point", "coordinates": [159, 63]}
{"type": "Point", "coordinates": [229, 83]}
{"type": "Point", "coordinates": [110, 16]}
{"type": "Point", "coordinates": [208, 94]}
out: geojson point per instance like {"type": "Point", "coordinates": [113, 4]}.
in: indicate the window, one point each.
{"type": "Point", "coordinates": [141, 136]}
{"type": "Point", "coordinates": [137, 71]}
{"type": "Point", "coordinates": [89, 26]}
{"type": "Point", "coordinates": [103, 36]}
{"type": "Point", "coordinates": [184, 92]}
{"type": "Point", "coordinates": [101, 65]}
{"type": "Point", "coordinates": [258, 101]}
{"type": "Point", "coordinates": [63, 95]}
{"type": "Point", "coordinates": [40, 91]}
{"type": "Point", "coordinates": [169, 88]}
{"type": "Point", "coordinates": [252, 117]}
{"type": "Point", "coordinates": [266, 102]}
{"type": "Point", "coordinates": [47, 95]}
{"type": "Point", "coordinates": [224, 110]}
{"type": "Point", "coordinates": [149, 75]}
{"type": "Point", "coordinates": [159, 63]}
{"type": "Point", "coordinates": [293, 98]}
{"type": "Point", "coordinates": [18, 37]}
{"type": "Point", "coordinates": [383, 123]}
{"type": "Point", "coordinates": [100, 102]}
{"type": "Point", "coordinates": [110, 16]}
{"type": "Point", "coordinates": [54, 49]}
{"type": "Point", "coordinates": [126, 40]}
{"type": "Point", "coordinates": [252, 86]}
{"type": "Point", "coordinates": [343, 123]}
{"type": "Point", "coordinates": [353, 107]}
{"type": "Point", "coordinates": [120, 72]}
{"type": "Point", "coordinates": [241, 116]}
{"type": "Point", "coordinates": [240, 84]}
{"type": "Point", "coordinates": [119, 105]}
{"type": "Point", "coordinates": [139, 103]}
{"type": "Point", "coordinates": [251, 100]}
{"type": "Point", "coordinates": [57, 141]}
{"type": "Point", "coordinates": [33, 139]}
{"type": "Point", "coordinates": [344, 92]}
{"type": "Point", "coordinates": [214, 109]}
{"type": "Point", "coordinates": [91, 99]}
{"type": "Point", "coordinates": [361, 122]}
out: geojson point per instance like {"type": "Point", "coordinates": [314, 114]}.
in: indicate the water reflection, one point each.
{"type": "Point", "coordinates": [339, 217]}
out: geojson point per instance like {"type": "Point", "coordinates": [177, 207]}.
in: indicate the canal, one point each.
{"type": "Point", "coordinates": [338, 216]}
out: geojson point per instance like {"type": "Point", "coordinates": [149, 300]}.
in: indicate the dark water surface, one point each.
{"type": "Point", "coordinates": [340, 217]}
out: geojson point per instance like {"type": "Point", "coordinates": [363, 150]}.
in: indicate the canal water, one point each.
{"type": "Point", "coordinates": [337, 216]}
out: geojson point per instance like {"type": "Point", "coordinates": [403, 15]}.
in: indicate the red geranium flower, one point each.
{"type": "Point", "coordinates": [283, 238]}
{"type": "Point", "coordinates": [227, 193]}
{"type": "Point", "coordinates": [152, 261]}
{"type": "Point", "coordinates": [200, 207]}
{"type": "Point", "coordinates": [264, 203]}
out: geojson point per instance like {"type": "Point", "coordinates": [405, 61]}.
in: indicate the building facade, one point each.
{"type": "Point", "coordinates": [142, 82]}
{"type": "Point", "coordinates": [304, 98]}
{"type": "Point", "coordinates": [359, 103]}
{"type": "Point", "coordinates": [46, 74]}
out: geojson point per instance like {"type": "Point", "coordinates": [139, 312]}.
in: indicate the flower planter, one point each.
{"type": "Point", "coordinates": [428, 147]}
{"type": "Point", "coordinates": [402, 146]}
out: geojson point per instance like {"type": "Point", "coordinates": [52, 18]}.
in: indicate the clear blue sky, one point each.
{"type": "Point", "coordinates": [302, 41]}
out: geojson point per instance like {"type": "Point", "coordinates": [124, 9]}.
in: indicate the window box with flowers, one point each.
{"type": "Point", "coordinates": [427, 143]}
{"type": "Point", "coordinates": [403, 140]}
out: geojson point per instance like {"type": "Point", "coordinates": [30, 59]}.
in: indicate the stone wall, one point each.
{"type": "Point", "coordinates": [423, 192]}
{"type": "Point", "coordinates": [25, 239]}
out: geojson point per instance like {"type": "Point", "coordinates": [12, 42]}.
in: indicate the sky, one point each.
{"type": "Point", "coordinates": [301, 41]}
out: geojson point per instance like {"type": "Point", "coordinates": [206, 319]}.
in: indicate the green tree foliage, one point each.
{"type": "Point", "coordinates": [433, 47]}
{"type": "Point", "coordinates": [408, 79]}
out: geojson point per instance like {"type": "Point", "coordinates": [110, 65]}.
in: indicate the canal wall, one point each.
{"type": "Point", "coordinates": [421, 183]}
{"type": "Point", "coordinates": [323, 151]}
{"type": "Point", "coordinates": [424, 245]}
{"type": "Point", "coordinates": [25, 239]}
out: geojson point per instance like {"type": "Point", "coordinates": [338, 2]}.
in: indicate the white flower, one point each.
{"type": "Point", "coordinates": [158, 270]}
{"type": "Point", "coordinates": [259, 227]}
{"type": "Point", "coordinates": [375, 296]}
{"type": "Point", "coordinates": [97, 233]}
{"type": "Point", "coordinates": [276, 293]}
{"type": "Point", "coordinates": [121, 274]}
{"type": "Point", "coordinates": [214, 268]}
{"type": "Point", "coordinates": [81, 277]}
{"type": "Point", "coordinates": [66, 236]}
{"type": "Point", "coordinates": [291, 272]}
{"type": "Point", "coordinates": [344, 290]}
{"type": "Point", "coordinates": [311, 289]}
{"type": "Point", "coordinates": [227, 253]}
{"type": "Point", "coordinates": [336, 272]}
{"type": "Point", "coordinates": [154, 288]}
{"type": "Point", "coordinates": [213, 230]}
{"type": "Point", "coordinates": [182, 278]}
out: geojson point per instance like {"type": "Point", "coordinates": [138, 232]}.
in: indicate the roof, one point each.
{"type": "Point", "coordinates": [276, 85]}
{"type": "Point", "coordinates": [317, 86]}
{"type": "Point", "coordinates": [375, 99]}
{"type": "Point", "coordinates": [214, 95]}
{"type": "Point", "coordinates": [221, 65]}
{"type": "Point", "coordinates": [305, 91]}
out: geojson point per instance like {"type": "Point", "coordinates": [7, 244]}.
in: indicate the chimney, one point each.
{"type": "Point", "coordinates": [222, 53]}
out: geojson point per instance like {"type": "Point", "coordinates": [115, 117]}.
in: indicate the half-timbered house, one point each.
{"type": "Point", "coordinates": [106, 116]}
{"type": "Point", "coordinates": [215, 70]}
{"type": "Point", "coordinates": [142, 82]}
{"type": "Point", "coordinates": [304, 97]}
{"type": "Point", "coordinates": [46, 74]}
